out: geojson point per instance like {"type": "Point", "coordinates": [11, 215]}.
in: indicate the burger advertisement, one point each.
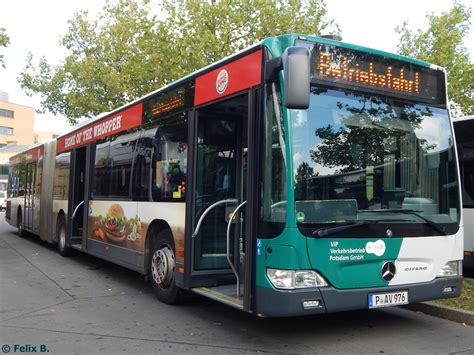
{"type": "Point", "coordinates": [115, 226]}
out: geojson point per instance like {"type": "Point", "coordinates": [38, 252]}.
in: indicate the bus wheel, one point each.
{"type": "Point", "coordinates": [162, 265]}
{"type": "Point", "coordinates": [63, 249]}
{"type": "Point", "coordinates": [19, 224]}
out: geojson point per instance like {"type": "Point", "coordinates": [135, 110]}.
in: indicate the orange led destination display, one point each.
{"type": "Point", "coordinates": [345, 67]}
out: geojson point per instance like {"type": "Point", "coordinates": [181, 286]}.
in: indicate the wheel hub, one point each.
{"type": "Point", "coordinates": [162, 266]}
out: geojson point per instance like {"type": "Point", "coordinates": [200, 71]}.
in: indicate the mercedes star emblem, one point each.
{"type": "Point", "coordinates": [388, 271]}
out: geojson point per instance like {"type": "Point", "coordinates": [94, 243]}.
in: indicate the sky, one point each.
{"type": "Point", "coordinates": [36, 26]}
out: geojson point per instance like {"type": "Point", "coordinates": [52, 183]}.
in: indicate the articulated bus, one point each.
{"type": "Point", "coordinates": [300, 176]}
{"type": "Point", "coordinates": [464, 130]}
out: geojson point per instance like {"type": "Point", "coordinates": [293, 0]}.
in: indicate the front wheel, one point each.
{"type": "Point", "coordinates": [162, 267]}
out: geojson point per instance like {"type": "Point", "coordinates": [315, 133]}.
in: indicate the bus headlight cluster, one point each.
{"type": "Point", "coordinates": [452, 268]}
{"type": "Point", "coordinates": [291, 279]}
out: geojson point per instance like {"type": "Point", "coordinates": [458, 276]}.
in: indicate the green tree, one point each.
{"type": "Point", "coordinates": [442, 44]}
{"type": "Point", "coordinates": [128, 51]}
{"type": "Point", "coordinates": [4, 41]}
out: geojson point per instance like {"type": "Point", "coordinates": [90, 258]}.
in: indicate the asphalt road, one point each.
{"type": "Point", "coordinates": [83, 305]}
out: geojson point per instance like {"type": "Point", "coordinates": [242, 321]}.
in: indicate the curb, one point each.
{"type": "Point", "coordinates": [441, 311]}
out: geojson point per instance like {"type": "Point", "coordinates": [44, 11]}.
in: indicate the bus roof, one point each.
{"type": "Point", "coordinates": [280, 43]}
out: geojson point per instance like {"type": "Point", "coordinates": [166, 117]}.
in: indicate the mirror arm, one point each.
{"type": "Point", "coordinates": [272, 68]}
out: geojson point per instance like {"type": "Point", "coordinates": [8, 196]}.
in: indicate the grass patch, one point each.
{"type": "Point", "coordinates": [465, 301]}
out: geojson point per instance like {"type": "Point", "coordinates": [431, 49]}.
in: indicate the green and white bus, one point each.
{"type": "Point", "coordinates": [300, 176]}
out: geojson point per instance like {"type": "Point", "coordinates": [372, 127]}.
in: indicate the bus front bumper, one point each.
{"type": "Point", "coordinates": [271, 302]}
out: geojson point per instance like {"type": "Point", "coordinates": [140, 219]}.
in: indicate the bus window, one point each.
{"type": "Point", "coordinates": [101, 169]}
{"type": "Point", "coordinates": [113, 165]}
{"type": "Point", "coordinates": [61, 176]}
{"type": "Point", "coordinates": [121, 156]}
{"type": "Point", "coordinates": [273, 209]}
{"type": "Point", "coordinates": [169, 164]}
{"type": "Point", "coordinates": [142, 168]}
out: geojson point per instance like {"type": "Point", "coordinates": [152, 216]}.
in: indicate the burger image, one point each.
{"type": "Point", "coordinates": [114, 223]}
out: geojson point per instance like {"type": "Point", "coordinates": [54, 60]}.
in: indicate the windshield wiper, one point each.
{"type": "Point", "coordinates": [437, 227]}
{"type": "Point", "coordinates": [322, 232]}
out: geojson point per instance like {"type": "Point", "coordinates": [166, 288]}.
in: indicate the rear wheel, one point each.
{"type": "Point", "coordinates": [63, 249]}
{"type": "Point", "coordinates": [162, 267]}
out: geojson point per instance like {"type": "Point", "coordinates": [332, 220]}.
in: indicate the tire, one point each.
{"type": "Point", "coordinates": [63, 248]}
{"type": "Point", "coordinates": [19, 224]}
{"type": "Point", "coordinates": [161, 269]}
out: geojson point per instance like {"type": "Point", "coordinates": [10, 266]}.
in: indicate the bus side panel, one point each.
{"type": "Point", "coordinates": [468, 219]}
{"type": "Point", "coordinates": [15, 203]}
{"type": "Point", "coordinates": [174, 214]}
{"type": "Point", "coordinates": [126, 244]}
{"type": "Point", "coordinates": [46, 223]}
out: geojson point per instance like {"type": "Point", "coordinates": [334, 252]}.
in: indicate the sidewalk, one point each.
{"type": "Point", "coordinates": [441, 311]}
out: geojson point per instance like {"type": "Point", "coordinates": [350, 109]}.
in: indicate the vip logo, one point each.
{"type": "Point", "coordinates": [377, 248]}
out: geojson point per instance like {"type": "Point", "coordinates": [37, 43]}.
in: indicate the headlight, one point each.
{"type": "Point", "coordinates": [291, 279]}
{"type": "Point", "coordinates": [452, 268]}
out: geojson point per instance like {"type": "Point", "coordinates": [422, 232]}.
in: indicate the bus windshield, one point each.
{"type": "Point", "coordinates": [357, 157]}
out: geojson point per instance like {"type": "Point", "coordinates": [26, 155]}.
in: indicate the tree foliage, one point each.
{"type": "Point", "coordinates": [4, 41]}
{"type": "Point", "coordinates": [442, 44]}
{"type": "Point", "coordinates": [128, 50]}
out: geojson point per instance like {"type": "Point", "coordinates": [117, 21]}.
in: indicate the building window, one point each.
{"type": "Point", "coordinates": [6, 130]}
{"type": "Point", "coordinates": [6, 113]}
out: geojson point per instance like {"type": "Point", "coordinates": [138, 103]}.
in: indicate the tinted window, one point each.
{"type": "Point", "coordinates": [142, 167]}
{"type": "Point", "coordinates": [61, 176]}
{"type": "Point", "coordinates": [113, 165]}
{"type": "Point", "coordinates": [169, 147]}
{"type": "Point", "coordinates": [101, 169]}
{"type": "Point", "coordinates": [17, 180]}
{"type": "Point", "coordinates": [273, 167]}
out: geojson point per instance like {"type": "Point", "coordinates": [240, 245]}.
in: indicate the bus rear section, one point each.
{"type": "Point", "coordinates": [369, 215]}
{"type": "Point", "coordinates": [464, 128]}
{"type": "Point", "coordinates": [30, 185]}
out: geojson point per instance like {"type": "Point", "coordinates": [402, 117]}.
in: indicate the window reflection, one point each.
{"type": "Point", "coordinates": [369, 153]}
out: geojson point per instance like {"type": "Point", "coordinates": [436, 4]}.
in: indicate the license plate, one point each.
{"type": "Point", "coordinates": [378, 300]}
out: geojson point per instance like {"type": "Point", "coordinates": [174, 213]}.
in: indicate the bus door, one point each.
{"type": "Point", "coordinates": [29, 195]}
{"type": "Point", "coordinates": [219, 197]}
{"type": "Point", "coordinates": [77, 201]}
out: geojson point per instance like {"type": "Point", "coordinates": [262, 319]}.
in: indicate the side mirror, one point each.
{"type": "Point", "coordinates": [296, 66]}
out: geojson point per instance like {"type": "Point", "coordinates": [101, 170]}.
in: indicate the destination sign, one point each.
{"type": "Point", "coordinates": [170, 101]}
{"type": "Point", "coordinates": [345, 67]}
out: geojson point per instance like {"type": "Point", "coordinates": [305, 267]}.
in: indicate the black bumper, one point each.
{"type": "Point", "coordinates": [277, 303]}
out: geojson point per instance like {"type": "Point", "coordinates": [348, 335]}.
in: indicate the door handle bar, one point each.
{"type": "Point", "coordinates": [75, 210]}
{"type": "Point", "coordinates": [198, 225]}
{"type": "Point", "coordinates": [228, 246]}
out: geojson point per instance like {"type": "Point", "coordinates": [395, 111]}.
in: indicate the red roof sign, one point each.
{"type": "Point", "coordinates": [129, 118]}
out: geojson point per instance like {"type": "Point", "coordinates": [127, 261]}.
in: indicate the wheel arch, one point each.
{"type": "Point", "coordinates": [155, 227]}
